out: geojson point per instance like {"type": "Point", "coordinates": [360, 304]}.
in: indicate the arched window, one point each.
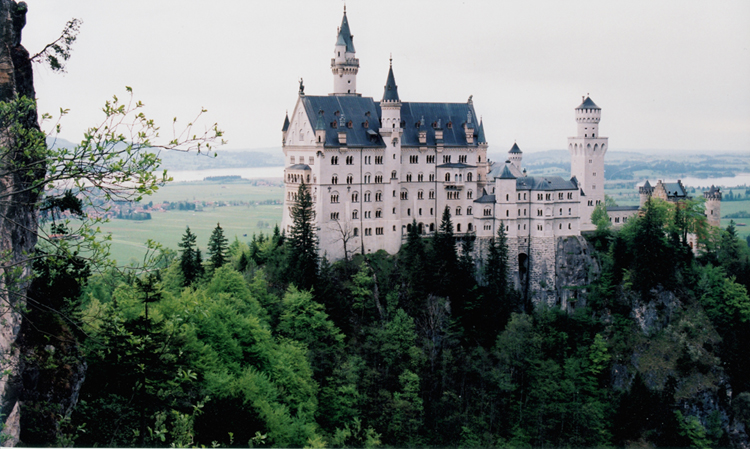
{"type": "Point", "coordinates": [458, 210]}
{"type": "Point", "coordinates": [355, 232]}
{"type": "Point", "coordinates": [468, 212]}
{"type": "Point", "coordinates": [393, 174]}
{"type": "Point", "coordinates": [432, 227]}
{"type": "Point", "coordinates": [355, 214]}
{"type": "Point", "coordinates": [469, 177]}
{"type": "Point", "coordinates": [458, 227]}
{"type": "Point", "coordinates": [447, 177]}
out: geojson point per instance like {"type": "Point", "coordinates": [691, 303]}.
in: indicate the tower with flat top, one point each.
{"type": "Point", "coordinates": [587, 151]}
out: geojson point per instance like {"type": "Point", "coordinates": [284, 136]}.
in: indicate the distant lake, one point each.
{"type": "Point", "coordinates": [278, 172]}
{"type": "Point", "coordinates": [247, 173]}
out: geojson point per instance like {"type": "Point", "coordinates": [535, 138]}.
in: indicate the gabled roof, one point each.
{"type": "Point", "coordinates": [506, 174]}
{"type": "Point", "coordinates": [544, 183]}
{"type": "Point", "coordinates": [515, 149]}
{"type": "Point", "coordinates": [456, 165]}
{"type": "Point", "coordinates": [360, 111]}
{"type": "Point", "coordinates": [452, 117]}
{"type": "Point", "coordinates": [391, 89]}
{"type": "Point", "coordinates": [286, 123]}
{"type": "Point", "coordinates": [485, 199]}
{"type": "Point", "coordinates": [345, 36]}
{"type": "Point", "coordinates": [675, 189]}
{"type": "Point", "coordinates": [588, 104]}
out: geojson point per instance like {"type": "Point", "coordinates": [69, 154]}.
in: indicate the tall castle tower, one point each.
{"type": "Point", "coordinates": [713, 206]}
{"type": "Point", "coordinates": [344, 65]}
{"type": "Point", "coordinates": [587, 151]}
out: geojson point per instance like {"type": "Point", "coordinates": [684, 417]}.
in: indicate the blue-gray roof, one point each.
{"type": "Point", "coordinates": [320, 124]}
{"type": "Point", "coordinates": [485, 199]}
{"type": "Point", "coordinates": [675, 189]}
{"type": "Point", "coordinates": [452, 117]}
{"type": "Point", "coordinates": [354, 109]}
{"type": "Point", "coordinates": [506, 174]}
{"type": "Point", "coordinates": [480, 133]}
{"type": "Point", "coordinates": [622, 208]}
{"type": "Point", "coordinates": [346, 35]}
{"type": "Point", "coordinates": [299, 167]}
{"type": "Point", "coordinates": [456, 165]}
{"type": "Point", "coordinates": [391, 89]}
{"type": "Point", "coordinates": [588, 104]}
{"type": "Point", "coordinates": [544, 183]}
{"type": "Point", "coordinates": [286, 123]}
{"type": "Point", "coordinates": [515, 149]}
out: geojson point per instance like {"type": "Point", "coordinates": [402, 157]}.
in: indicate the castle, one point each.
{"type": "Point", "coordinates": [376, 167]}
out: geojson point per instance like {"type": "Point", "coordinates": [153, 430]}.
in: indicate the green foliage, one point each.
{"type": "Point", "coordinates": [190, 262]}
{"type": "Point", "coordinates": [302, 262]}
{"type": "Point", "coordinates": [217, 248]}
{"type": "Point", "coordinates": [443, 257]}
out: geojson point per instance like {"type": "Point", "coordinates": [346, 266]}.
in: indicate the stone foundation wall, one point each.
{"type": "Point", "coordinates": [557, 271]}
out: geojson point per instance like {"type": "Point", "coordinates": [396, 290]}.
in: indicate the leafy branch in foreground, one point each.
{"type": "Point", "coordinates": [57, 52]}
{"type": "Point", "coordinates": [67, 189]}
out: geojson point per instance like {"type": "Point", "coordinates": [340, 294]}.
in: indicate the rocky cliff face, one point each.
{"type": "Point", "coordinates": [18, 221]}
{"type": "Point", "coordinates": [575, 269]}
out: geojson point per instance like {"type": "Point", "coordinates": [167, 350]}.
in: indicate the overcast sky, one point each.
{"type": "Point", "coordinates": [668, 75]}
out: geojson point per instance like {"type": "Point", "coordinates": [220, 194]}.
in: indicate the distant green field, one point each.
{"type": "Point", "coordinates": [730, 207]}
{"type": "Point", "coordinates": [129, 236]}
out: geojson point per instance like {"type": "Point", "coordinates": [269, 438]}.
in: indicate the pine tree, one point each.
{"type": "Point", "coordinates": [444, 256]}
{"type": "Point", "coordinates": [188, 258]}
{"type": "Point", "coordinates": [412, 260]}
{"type": "Point", "coordinates": [652, 253]}
{"type": "Point", "coordinates": [217, 247]}
{"type": "Point", "coordinates": [199, 270]}
{"type": "Point", "coordinates": [496, 268]}
{"type": "Point", "coordinates": [303, 243]}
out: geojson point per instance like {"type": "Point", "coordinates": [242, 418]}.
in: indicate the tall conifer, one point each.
{"type": "Point", "coordinates": [444, 256]}
{"type": "Point", "coordinates": [217, 247]}
{"type": "Point", "coordinates": [303, 243]}
{"type": "Point", "coordinates": [188, 262]}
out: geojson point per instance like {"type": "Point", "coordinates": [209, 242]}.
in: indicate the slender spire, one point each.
{"type": "Point", "coordinates": [345, 34]}
{"type": "Point", "coordinates": [480, 132]}
{"type": "Point", "coordinates": [286, 122]}
{"type": "Point", "coordinates": [391, 89]}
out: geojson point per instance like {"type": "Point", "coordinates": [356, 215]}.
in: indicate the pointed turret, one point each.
{"type": "Point", "coordinates": [480, 133]}
{"type": "Point", "coordinates": [515, 155]}
{"type": "Point", "coordinates": [344, 64]}
{"type": "Point", "coordinates": [320, 128]}
{"type": "Point", "coordinates": [284, 129]}
{"type": "Point", "coordinates": [588, 103]}
{"type": "Point", "coordinates": [391, 89]}
{"type": "Point", "coordinates": [345, 36]}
